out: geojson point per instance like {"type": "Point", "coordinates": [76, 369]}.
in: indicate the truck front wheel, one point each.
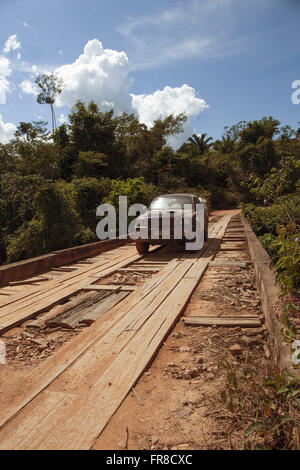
{"type": "Point", "coordinates": [206, 233]}
{"type": "Point", "coordinates": [142, 247]}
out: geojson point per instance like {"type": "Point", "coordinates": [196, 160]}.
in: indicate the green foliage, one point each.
{"type": "Point", "coordinates": [55, 225]}
{"type": "Point", "coordinates": [32, 130]}
{"type": "Point", "coordinates": [90, 164]}
{"type": "Point", "coordinates": [266, 219]}
{"type": "Point", "coordinates": [287, 266]}
{"type": "Point", "coordinates": [200, 143]}
{"type": "Point", "coordinates": [281, 181]}
{"type": "Point", "coordinates": [262, 409]}
{"type": "Point", "coordinates": [90, 129]}
{"type": "Point", "coordinates": [136, 190]}
{"type": "Point", "coordinates": [88, 194]}
{"type": "Point", "coordinates": [51, 86]}
{"type": "Point", "coordinates": [98, 156]}
{"type": "Point", "coordinates": [267, 240]}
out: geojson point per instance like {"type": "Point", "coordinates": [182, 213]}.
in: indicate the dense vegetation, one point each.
{"type": "Point", "coordinates": [51, 185]}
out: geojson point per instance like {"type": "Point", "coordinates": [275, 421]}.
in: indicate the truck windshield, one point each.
{"type": "Point", "coordinates": [170, 202]}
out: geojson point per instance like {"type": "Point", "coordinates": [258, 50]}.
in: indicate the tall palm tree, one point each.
{"type": "Point", "coordinates": [200, 142]}
{"type": "Point", "coordinates": [51, 86]}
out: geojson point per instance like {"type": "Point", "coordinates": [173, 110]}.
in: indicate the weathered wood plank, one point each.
{"type": "Point", "coordinates": [229, 264]}
{"type": "Point", "coordinates": [28, 281]}
{"type": "Point", "coordinates": [251, 322]}
{"type": "Point", "coordinates": [71, 316]}
{"type": "Point", "coordinates": [112, 287]}
{"type": "Point", "coordinates": [88, 317]}
{"type": "Point", "coordinates": [140, 269]}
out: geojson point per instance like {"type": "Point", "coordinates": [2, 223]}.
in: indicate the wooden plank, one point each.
{"type": "Point", "coordinates": [107, 304]}
{"type": "Point", "coordinates": [148, 265]}
{"type": "Point", "coordinates": [145, 262]}
{"type": "Point", "coordinates": [71, 316]}
{"type": "Point", "coordinates": [229, 264]}
{"type": "Point", "coordinates": [251, 322]}
{"type": "Point", "coordinates": [28, 281]}
{"type": "Point", "coordinates": [231, 248]}
{"type": "Point", "coordinates": [46, 319]}
{"type": "Point", "coordinates": [47, 404]}
{"type": "Point", "coordinates": [141, 270]}
{"type": "Point", "coordinates": [64, 269]}
{"type": "Point", "coordinates": [112, 287]}
{"type": "Point", "coordinates": [95, 287]}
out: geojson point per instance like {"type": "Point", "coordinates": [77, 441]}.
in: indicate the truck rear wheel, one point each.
{"type": "Point", "coordinates": [142, 247]}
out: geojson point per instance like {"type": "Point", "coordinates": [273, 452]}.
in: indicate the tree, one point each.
{"type": "Point", "coordinates": [54, 226]}
{"type": "Point", "coordinates": [255, 130]}
{"type": "Point", "coordinates": [91, 129]}
{"type": "Point", "coordinates": [201, 143]}
{"type": "Point", "coordinates": [51, 87]}
{"type": "Point", "coordinates": [32, 130]}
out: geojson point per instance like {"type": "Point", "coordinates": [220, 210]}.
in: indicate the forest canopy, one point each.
{"type": "Point", "coordinates": [51, 184]}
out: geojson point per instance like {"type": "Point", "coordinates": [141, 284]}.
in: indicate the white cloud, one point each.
{"type": "Point", "coordinates": [63, 119]}
{"type": "Point", "coordinates": [60, 52]}
{"type": "Point", "coordinates": [26, 25]}
{"type": "Point", "coordinates": [168, 101]}
{"type": "Point", "coordinates": [161, 103]}
{"type": "Point", "coordinates": [28, 87]}
{"type": "Point", "coordinates": [103, 75]}
{"type": "Point", "coordinates": [12, 44]}
{"type": "Point", "coordinates": [5, 71]}
{"type": "Point", "coordinates": [98, 74]}
{"type": "Point", "coordinates": [4, 88]}
{"type": "Point", "coordinates": [7, 131]}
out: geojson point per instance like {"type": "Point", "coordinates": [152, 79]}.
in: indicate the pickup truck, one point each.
{"type": "Point", "coordinates": [168, 219]}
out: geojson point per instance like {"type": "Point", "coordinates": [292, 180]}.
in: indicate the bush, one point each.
{"type": "Point", "coordinates": [265, 219]}
{"type": "Point", "coordinates": [267, 240]}
{"type": "Point", "coordinates": [287, 266]}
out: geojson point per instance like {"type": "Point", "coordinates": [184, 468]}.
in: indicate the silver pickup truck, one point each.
{"type": "Point", "coordinates": [170, 219]}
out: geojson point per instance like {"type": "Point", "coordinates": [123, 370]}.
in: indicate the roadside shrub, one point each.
{"type": "Point", "coordinates": [267, 240]}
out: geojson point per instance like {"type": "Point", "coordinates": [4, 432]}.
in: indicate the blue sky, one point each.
{"type": "Point", "coordinates": [219, 61]}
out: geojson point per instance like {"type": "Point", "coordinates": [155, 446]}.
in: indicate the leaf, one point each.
{"type": "Point", "coordinates": [259, 447]}
{"type": "Point", "coordinates": [282, 390]}
{"type": "Point", "coordinates": [223, 396]}
{"type": "Point", "coordinates": [232, 380]}
{"type": "Point", "coordinates": [281, 421]}
{"type": "Point", "coordinates": [257, 426]}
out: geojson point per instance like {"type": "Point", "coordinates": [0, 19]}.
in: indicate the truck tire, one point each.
{"type": "Point", "coordinates": [206, 233]}
{"type": "Point", "coordinates": [142, 247]}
